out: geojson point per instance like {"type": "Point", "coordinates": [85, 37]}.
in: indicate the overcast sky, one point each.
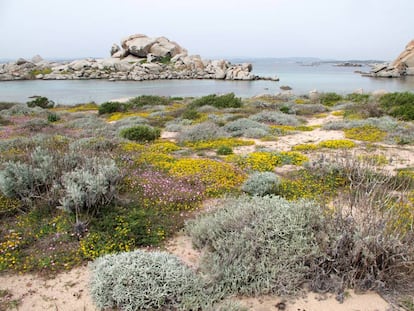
{"type": "Point", "coordinates": [338, 29]}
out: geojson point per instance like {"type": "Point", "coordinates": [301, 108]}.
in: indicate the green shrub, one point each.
{"type": "Point", "coordinates": [111, 107]}
{"type": "Point", "coordinates": [141, 133]}
{"type": "Point", "coordinates": [53, 117]}
{"type": "Point", "coordinates": [399, 105]}
{"type": "Point", "coordinates": [218, 101]}
{"type": "Point", "coordinates": [357, 98]}
{"type": "Point", "coordinates": [330, 98]}
{"type": "Point", "coordinates": [191, 114]}
{"type": "Point", "coordinates": [147, 100]}
{"type": "Point", "coordinates": [41, 101]}
{"type": "Point", "coordinates": [224, 150]}
{"type": "Point", "coordinates": [143, 280]}
{"type": "Point", "coordinates": [257, 245]}
{"type": "Point", "coordinates": [261, 183]}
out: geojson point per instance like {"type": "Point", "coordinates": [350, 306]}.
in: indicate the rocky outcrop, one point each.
{"type": "Point", "coordinates": [140, 58]}
{"type": "Point", "coordinates": [403, 65]}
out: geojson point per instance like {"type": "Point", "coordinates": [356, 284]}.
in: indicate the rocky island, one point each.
{"type": "Point", "coordinates": [139, 58]}
{"type": "Point", "coordinates": [402, 66]}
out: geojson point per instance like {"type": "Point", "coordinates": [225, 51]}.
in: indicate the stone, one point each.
{"type": "Point", "coordinates": [403, 65]}
{"type": "Point", "coordinates": [21, 61]}
{"type": "Point", "coordinates": [37, 59]}
{"type": "Point", "coordinates": [138, 45]}
{"type": "Point", "coordinates": [115, 49]}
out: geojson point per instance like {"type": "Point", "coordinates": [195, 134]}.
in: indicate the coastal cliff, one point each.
{"type": "Point", "coordinates": [403, 65]}
{"type": "Point", "coordinates": [139, 58]}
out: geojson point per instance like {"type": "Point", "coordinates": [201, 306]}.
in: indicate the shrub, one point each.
{"type": "Point", "coordinates": [53, 117]}
{"type": "Point", "coordinates": [330, 98]}
{"type": "Point", "coordinates": [111, 107]}
{"type": "Point", "coordinates": [224, 150]}
{"type": "Point", "coordinates": [223, 101]}
{"type": "Point", "coordinates": [399, 105]}
{"type": "Point", "coordinates": [275, 118]}
{"type": "Point", "coordinates": [243, 126]}
{"type": "Point", "coordinates": [201, 132]}
{"type": "Point", "coordinates": [257, 245]}
{"type": "Point", "coordinates": [261, 183]}
{"type": "Point", "coordinates": [88, 188]}
{"type": "Point", "coordinates": [141, 133]}
{"type": "Point", "coordinates": [357, 98]}
{"type": "Point", "coordinates": [191, 114]}
{"type": "Point", "coordinates": [40, 101]}
{"type": "Point", "coordinates": [142, 280]}
{"type": "Point", "coordinates": [337, 144]}
{"type": "Point", "coordinates": [148, 100]}
{"type": "Point", "coordinates": [27, 182]}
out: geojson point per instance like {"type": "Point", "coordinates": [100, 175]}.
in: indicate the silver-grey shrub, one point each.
{"type": "Point", "coordinates": [89, 187]}
{"type": "Point", "coordinates": [241, 127]}
{"type": "Point", "coordinates": [27, 181]}
{"type": "Point", "coordinates": [142, 280]}
{"type": "Point", "coordinates": [261, 183]}
{"type": "Point", "coordinates": [202, 131]}
{"type": "Point", "coordinates": [275, 117]}
{"type": "Point", "coordinates": [257, 245]}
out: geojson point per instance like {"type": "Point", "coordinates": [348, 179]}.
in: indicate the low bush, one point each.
{"type": "Point", "coordinates": [53, 117]}
{"type": "Point", "coordinates": [147, 100]}
{"type": "Point", "coordinates": [261, 183]}
{"type": "Point", "coordinates": [329, 99]}
{"type": "Point", "coordinates": [244, 127]}
{"type": "Point", "coordinates": [111, 107]}
{"type": "Point", "coordinates": [88, 188]}
{"type": "Point", "coordinates": [218, 101]}
{"type": "Point", "coordinates": [257, 245]}
{"type": "Point", "coordinates": [142, 280]}
{"type": "Point", "coordinates": [41, 101]}
{"type": "Point", "coordinates": [201, 132]}
{"type": "Point", "coordinates": [224, 150]}
{"type": "Point", "coordinates": [273, 117]}
{"type": "Point", "coordinates": [399, 105]}
{"type": "Point", "coordinates": [141, 133]}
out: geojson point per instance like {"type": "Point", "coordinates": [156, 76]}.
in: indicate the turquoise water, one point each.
{"type": "Point", "coordinates": [323, 77]}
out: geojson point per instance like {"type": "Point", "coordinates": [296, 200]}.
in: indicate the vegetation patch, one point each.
{"type": "Point", "coordinates": [365, 133]}
{"type": "Point", "coordinates": [262, 161]}
{"type": "Point", "coordinates": [218, 101]}
{"type": "Point", "coordinates": [217, 143]}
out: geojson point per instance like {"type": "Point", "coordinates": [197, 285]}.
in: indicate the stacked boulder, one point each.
{"type": "Point", "coordinates": [138, 58]}
{"type": "Point", "coordinates": [403, 65]}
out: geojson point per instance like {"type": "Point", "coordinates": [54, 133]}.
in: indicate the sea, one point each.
{"type": "Point", "coordinates": [301, 75]}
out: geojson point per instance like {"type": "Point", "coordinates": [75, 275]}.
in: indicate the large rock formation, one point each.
{"type": "Point", "coordinates": [403, 65]}
{"type": "Point", "coordinates": [140, 58]}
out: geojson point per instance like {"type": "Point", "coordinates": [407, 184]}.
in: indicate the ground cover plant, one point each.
{"type": "Point", "coordinates": [78, 183]}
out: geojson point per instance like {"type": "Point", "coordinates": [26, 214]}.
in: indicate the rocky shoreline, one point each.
{"type": "Point", "coordinates": [402, 66]}
{"type": "Point", "coordinates": [140, 58]}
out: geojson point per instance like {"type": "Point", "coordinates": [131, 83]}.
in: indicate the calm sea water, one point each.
{"type": "Point", "coordinates": [324, 77]}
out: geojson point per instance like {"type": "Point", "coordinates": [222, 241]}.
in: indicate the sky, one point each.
{"type": "Point", "coordinates": [327, 29]}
